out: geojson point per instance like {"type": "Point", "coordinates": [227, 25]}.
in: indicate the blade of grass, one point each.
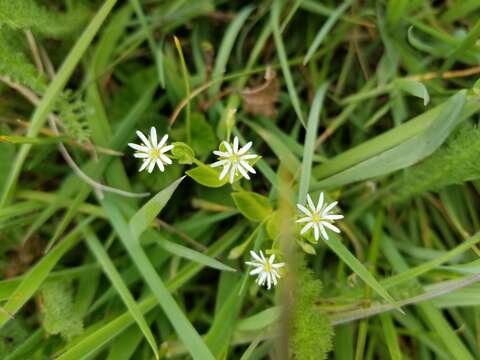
{"type": "Point", "coordinates": [177, 318]}
{"type": "Point", "coordinates": [117, 281]}
{"type": "Point", "coordinates": [325, 29]}
{"type": "Point", "coordinates": [283, 58]}
{"type": "Point", "coordinates": [187, 253]}
{"type": "Point", "coordinates": [310, 137]}
{"type": "Point", "coordinates": [145, 216]}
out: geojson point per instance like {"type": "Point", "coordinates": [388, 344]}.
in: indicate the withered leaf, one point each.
{"type": "Point", "coordinates": [263, 98]}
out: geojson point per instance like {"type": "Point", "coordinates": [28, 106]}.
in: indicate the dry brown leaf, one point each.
{"type": "Point", "coordinates": [263, 98]}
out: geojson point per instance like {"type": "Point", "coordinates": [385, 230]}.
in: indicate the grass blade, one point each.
{"type": "Point", "coordinates": [310, 137]}
{"type": "Point", "coordinates": [179, 321]}
{"type": "Point", "coordinates": [145, 216]}
{"type": "Point", "coordinates": [112, 273]}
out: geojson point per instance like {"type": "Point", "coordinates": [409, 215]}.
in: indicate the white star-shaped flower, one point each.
{"type": "Point", "coordinates": [234, 160]}
{"type": "Point", "coordinates": [265, 269]}
{"type": "Point", "coordinates": [152, 152]}
{"type": "Point", "coordinates": [318, 217]}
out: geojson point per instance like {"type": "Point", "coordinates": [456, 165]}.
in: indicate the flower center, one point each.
{"type": "Point", "coordinates": [234, 158]}
{"type": "Point", "coordinates": [267, 267]}
{"type": "Point", "coordinates": [316, 217]}
{"type": "Point", "coordinates": [155, 154]}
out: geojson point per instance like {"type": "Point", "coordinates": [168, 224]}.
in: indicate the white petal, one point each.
{"type": "Point", "coordinates": [243, 172]}
{"type": "Point", "coordinates": [141, 155]}
{"type": "Point", "coordinates": [331, 227]}
{"type": "Point", "coordinates": [305, 219]}
{"type": "Point", "coordinates": [166, 159]}
{"type": "Point", "coordinates": [163, 141]}
{"type": "Point", "coordinates": [166, 148]}
{"type": "Point", "coordinates": [249, 156]}
{"type": "Point", "coordinates": [324, 233]}
{"type": "Point", "coordinates": [269, 281]}
{"type": "Point", "coordinates": [245, 148]}
{"type": "Point", "coordinates": [160, 165]}
{"type": "Point", "coordinates": [143, 138]}
{"type": "Point", "coordinates": [144, 165]}
{"type": "Point", "coordinates": [255, 256]}
{"type": "Point", "coordinates": [153, 136]}
{"type": "Point", "coordinates": [315, 232]}
{"type": "Point", "coordinates": [278, 265]}
{"type": "Point", "coordinates": [304, 210]}
{"type": "Point", "coordinates": [221, 153]}
{"type": "Point", "coordinates": [263, 257]}
{"type": "Point", "coordinates": [247, 166]}
{"type": "Point", "coordinates": [320, 202]}
{"type": "Point", "coordinates": [310, 202]}
{"type": "Point", "coordinates": [329, 207]}
{"type": "Point", "coordinates": [254, 263]}
{"type": "Point", "coordinates": [218, 163]}
{"type": "Point", "coordinates": [235, 144]}
{"type": "Point", "coordinates": [306, 228]}
{"type": "Point", "coordinates": [151, 167]}
{"type": "Point", "coordinates": [225, 170]}
{"type": "Point", "coordinates": [271, 259]}
{"type": "Point", "coordinates": [228, 147]}
{"type": "Point", "coordinates": [139, 147]}
{"type": "Point", "coordinates": [261, 278]}
{"type": "Point", "coordinates": [256, 271]}
{"type": "Point", "coordinates": [232, 173]}
{"type": "Point", "coordinates": [333, 216]}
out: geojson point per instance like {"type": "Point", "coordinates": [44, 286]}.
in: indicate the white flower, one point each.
{"type": "Point", "coordinates": [234, 160]}
{"type": "Point", "coordinates": [152, 152]}
{"type": "Point", "coordinates": [318, 217]}
{"type": "Point", "coordinates": [265, 269]}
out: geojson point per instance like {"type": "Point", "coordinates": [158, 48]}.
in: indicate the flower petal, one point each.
{"type": "Point", "coordinates": [243, 172]}
{"type": "Point", "coordinates": [141, 155]}
{"type": "Point", "coordinates": [143, 138]}
{"type": "Point", "coordinates": [225, 170]}
{"type": "Point", "coordinates": [153, 137]}
{"type": "Point", "coordinates": [151, 167]}
{"type": "Point", "coordinates": [144, 165]}
{"type": "Point", "coordinates": [310, 202]}
{"type": "Point", "coordinates": [233, 171]}
{"type": "Point", "coordinates": [306, 228]}
{"type": "Point", "coordinates": [218, 163]}
{"type": "Point", "coordinates": [166, 159]}
{"type": "Point", "coordinates": [329, 207]}
{"type": "Point", "coordinates": [304, 210]}
{"type": "Point", "coordinates": [228, 147]}
{"type": "Point", "coordinates": [324, 233]}
{"type": "Point", "coordinates": [137, 147]}
{"type": "Point", "coordinates": [320, 202]}
{"type": "Point", "coordinates": [333, 216]}
{"type": "Point", "coordinates": [166, 148]}
{"type": "Point", "coordinates": [331, 227]}
{"type": "Point", "coordinates": [245, 148]}
{"type": "Point", "coordinates": [221, 153]}
{"type": "Point", "coordinates": [255, 256]}
{"type": "Point", "coordinates": [160, 165]}
{"type": "Point", "coordinates": [247, 166]}
{"type": "Point", "coordinates": [235, 145]}
{"type": "Point", "coordinates": [315, 231]}
{"type": "Point", "coordinates": [163, 141]}
{"type": "Point", "coordinates": [305, 219]}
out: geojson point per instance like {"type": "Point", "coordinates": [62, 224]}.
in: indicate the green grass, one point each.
{"type": "Point", "coordinates": [375, 104]}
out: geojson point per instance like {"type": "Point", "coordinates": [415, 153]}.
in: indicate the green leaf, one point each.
{"type": "Point", "coordinates": [357, 267]}
{"type": "Point", "coordinates": [207, 176]}
{"type": "Point", "coordinates": [396, 149]}
{"type": "Point", "coordinates": [413, 87]}
{"type": "Point", "coordinates": [59, 316]}
{"type": "Point", "coordinates": [117, 281]}
{"type": "Point", "coordinates": [253, 206]}
{"type": "Point", "coordinates": [145, 216]}
{"type": "Point", "coordinates": [183, 153]}
{"type": "Point", "coordinates": [204, 140]}
{"type": "Point", "coordinates": [185, 330]}
{"type": "Point", "coordinates": [187, 253]}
